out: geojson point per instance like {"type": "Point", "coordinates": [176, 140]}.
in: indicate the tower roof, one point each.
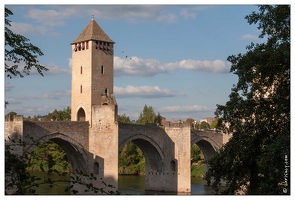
{"type": "Point", "coordinates": [92, 32]}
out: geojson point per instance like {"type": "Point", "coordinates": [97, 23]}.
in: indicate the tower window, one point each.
{"type": "Point", "coordinates": [80, 88]}
{"type": "Point", "coordinates": [102, 70]}
{"type": "Point", "coordinates": [86, 44]}
{"type": "Point", "coordinates": [81, 116]}
{"type": "Point", "coordinates": [172, 165]}
{"type": "Point", "coordinates": [106, 91]}
{"type": "Point", "coordinates": [81, 70]}
{"type": "Point", "coordinates": [96, 168]}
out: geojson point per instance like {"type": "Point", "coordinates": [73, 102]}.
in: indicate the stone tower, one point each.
{"type": "Point", "coordinates": [92, 71]}
{"type": "Point", "coordinates": [93, 100]}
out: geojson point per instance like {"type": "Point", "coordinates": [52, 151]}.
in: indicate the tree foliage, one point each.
{"type": "Point", "coordinates": [204, 125]}
{"type": "Point", "coordinates": [148, 116]}
{"type": "Point", "coordinates": [195, 153]}
{"type": "Point", "coordinates": [124, 119]}
{"type": "Point", "coordinates": [256, 158]}
{"type": "Point", "coordinates": [216, 123]}
{"type": "Point", "coordinates": [131, 160]}
{"type": "Point", "coordinates": [56, 115]}
{"type": "Point", "coordinates": [61, 115]}
{"type": "Point", "coordinates": [19, 51]}
{"type": "Point", "coordinates": [49, 156]}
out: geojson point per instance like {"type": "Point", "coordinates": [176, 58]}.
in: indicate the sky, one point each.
{"type": "Point", "coordinates": [179, 55]}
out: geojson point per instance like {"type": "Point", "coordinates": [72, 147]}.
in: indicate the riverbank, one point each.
{"type": "Point", "coordinates": [197, 169]}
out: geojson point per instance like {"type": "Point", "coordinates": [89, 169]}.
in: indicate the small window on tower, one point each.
{"type": "Point", "coordinates": [81, 70]}
{"type": "Point", "coordinates": [96, 168]}
{"type": "Point", "coordinates": [172, 165]}
{"type": "Point", "coordinates": [106, 92]}
{"type": "Point", "coordinates": [86, 44]}
{"type": "Point", "coordinates": [102, 70]}
{"type": "Point", "coordinates": [81, 89]}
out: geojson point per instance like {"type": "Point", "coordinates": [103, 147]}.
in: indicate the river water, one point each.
{"type": "Point", "coordinates": [135, 185]}
{"type": "Point", "coordinates": [127, 185]}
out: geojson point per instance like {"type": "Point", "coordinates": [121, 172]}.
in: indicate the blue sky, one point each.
{"type": "Point", "coordinates": [179, 55]}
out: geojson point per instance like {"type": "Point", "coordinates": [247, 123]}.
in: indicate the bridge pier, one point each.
{"type": "Point", "coordinates": [103, 144]}
{"type": "Point", "coordinates": [180, 163]}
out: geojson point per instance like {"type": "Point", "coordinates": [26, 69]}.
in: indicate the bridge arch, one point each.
{"type": "Point", "coordinates": [152, 152]}
{"type": "Point", "coordinates": [208, 146]}
{"type": "Point", "coordinates": [75, 152]}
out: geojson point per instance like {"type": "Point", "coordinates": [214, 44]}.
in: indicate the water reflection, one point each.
{"type": "Point", "coordinates": [57, 189]}
{"type": "Point", "coordinates": [135, 185]}
{"type": "Point", "coordinates": [127, 185]}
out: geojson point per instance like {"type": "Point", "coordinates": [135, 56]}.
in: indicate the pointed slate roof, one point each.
{"type": "Point", "coordinates": [92, 32]}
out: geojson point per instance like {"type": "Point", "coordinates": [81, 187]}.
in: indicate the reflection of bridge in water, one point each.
{"type": "Point", "coordinates": [166, 148]}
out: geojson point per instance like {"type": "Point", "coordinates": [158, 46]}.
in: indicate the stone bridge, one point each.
{"type": "Point", "coordinates": [166, 148]}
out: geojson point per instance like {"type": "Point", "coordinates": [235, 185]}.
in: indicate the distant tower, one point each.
{"type": "Point", "coordinates": [92, 71]}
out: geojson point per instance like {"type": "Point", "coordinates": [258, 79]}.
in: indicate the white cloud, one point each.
{"type": "Point", "coordinates": [48, 17]}
{"type": "Point", "coordinates": [143, 92]}
{"type": "Point", "coordinates": [169, 18]}
{"type": "Point", "coordinates": [53, 70]}
{"type": "Point", "coordinates": [135, 66]}
{"type": "Point", "coordinates": [8, 87]}
{"type": "Point", "coordinates": [24, 28]}
{"type": "Point", "coordinates": [58, 94]}
{"type": "Point", "coordinates": [249, 37]}
{"type": "Point", "coordinates": [12, 101]}
{"type": "Point", "coordinates": [193, 108]}
{"type": "Point", "coordinates": [56, 14]}
{"type": "Point", "coordinates": [216, 66]}
{"type": "Point", "coordinates": [70, 62]}
{"type": "Point", "coordinates": [187, 14]}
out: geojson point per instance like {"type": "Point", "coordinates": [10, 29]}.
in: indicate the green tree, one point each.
{"type": "Point", "coordinates": [131, 160]}
{"type": "Point", "coordinates": [159, 118]}
{"type": "Point", "coordinates": [216, 123]}
{"type": "Point", "coordinates": [256, 158]}
{"type": "Point", "coordinates": [19, 50]}
{"type": "Point", "coordinates": [148, 116]}
{"type": "Point", "coordinates": [59, 115]}
{"type": "Point", "coordinates": [124, 119]}
{"type": "Point", "coordinates": [204, 125]}
{"type": "Point", "coordinates": [195, 153]}
{"type": "Point", "coordinates": [49, 156]}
